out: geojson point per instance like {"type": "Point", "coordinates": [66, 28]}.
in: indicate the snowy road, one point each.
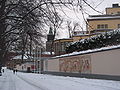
{"type": "Point", "coordinates": [30, 81]}
{"type": "Point", "coordinates": [10, 81]}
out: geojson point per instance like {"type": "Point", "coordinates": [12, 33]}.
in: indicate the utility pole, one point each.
{"type": "Point", "coordinates": [41, 61]}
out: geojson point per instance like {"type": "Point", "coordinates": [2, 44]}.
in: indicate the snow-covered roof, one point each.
{"type": "Point", "coordinates": [48, 53]}
{"type": "Point", "coordinates": [104, 17]}
{"type": "Point", "coordinates": [89, 51]}
{"type": "Point", "coordinates": [20, 56]}
{"type": "Point", "coordinates": [82, 35]}
{"type": "Point", "coordinates": [64, 39]}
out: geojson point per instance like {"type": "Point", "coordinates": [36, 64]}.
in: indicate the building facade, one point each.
{"type": "Point", "coordinates": [104, 23]}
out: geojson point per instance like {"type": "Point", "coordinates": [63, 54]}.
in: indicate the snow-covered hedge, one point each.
{"type": "Point", "coordinates": [101, 40]}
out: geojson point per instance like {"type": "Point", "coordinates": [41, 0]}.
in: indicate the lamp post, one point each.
{"type": "Point", "coordinates": [41, 61]}
{"type": "Point", "coordinates": [31, 34]}
{"type": "Point", "coordinates": [32, 52]}
{"type": "Point", "coordinates": [38, 58]}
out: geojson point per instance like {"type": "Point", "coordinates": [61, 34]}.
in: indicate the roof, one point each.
{"type": "Point", "coordinates": [103, 17]}
{"type": "Point", "coordinates": [48, 53]}
{"type": "Point", "coordinates": [20, 56]}
{"type": "Point", "coordinates": [63, 39]}
{"type": "Point", "coordinates": [80, 35]}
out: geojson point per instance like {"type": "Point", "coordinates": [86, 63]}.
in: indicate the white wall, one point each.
{"type": "Point", "coordinates": [107, 62]}
{"type": "Point", "coordinates": [104, 62]}
{"type": "Point", "coordinates": [53, 65]}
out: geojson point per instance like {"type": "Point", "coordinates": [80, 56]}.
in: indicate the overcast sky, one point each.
{"type": "Point", "coordinates": [77, 17]}
{"type": "Point", "coordinates": [94, 3]}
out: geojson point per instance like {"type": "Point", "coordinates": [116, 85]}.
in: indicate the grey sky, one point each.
{"type": "Point", "coordinates": [107, 3]}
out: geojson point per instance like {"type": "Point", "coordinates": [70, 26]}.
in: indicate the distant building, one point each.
{"type": "Point", "coordinates": [50, 40]}
{"type": "Point", "coordinates": [60, 45]}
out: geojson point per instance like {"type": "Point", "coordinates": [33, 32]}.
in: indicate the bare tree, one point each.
{"type": "Point", "coordinates": [56, 25]}
{"type": "Point", "coordinates": [24, 20]}
{"type": "Point", "coordinates": [71, 27]}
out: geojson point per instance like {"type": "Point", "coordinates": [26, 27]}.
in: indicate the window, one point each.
{"type": "Point", "coordinates": [98, 26]}
{"type": "Point", "coordinates": [62, 46]}
{"type": "Point", "coordinates": [102, 26]}
{"type": "Point", "coordinates": [118, 25]}
{"type": "Point", "coordinates": [106, 25]}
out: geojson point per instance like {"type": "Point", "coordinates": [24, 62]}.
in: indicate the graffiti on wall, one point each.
{"type": "Point", "coordinates": [80, 64]}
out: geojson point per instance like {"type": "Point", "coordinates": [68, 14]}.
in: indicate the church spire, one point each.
{"type": "Point", "coordinates": [50, 31]}
{"type": "Point", "coordinates": [50, 36]}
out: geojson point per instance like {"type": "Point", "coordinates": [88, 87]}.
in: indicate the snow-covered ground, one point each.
{"type": "Point", "coordinates": [30, 81]}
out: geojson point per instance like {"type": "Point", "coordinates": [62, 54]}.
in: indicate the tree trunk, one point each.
{"type": "Point", "coordinates": [2, 31]}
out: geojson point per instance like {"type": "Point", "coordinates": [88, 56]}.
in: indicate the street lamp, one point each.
{"type": "Point", "coordinates": [32, 52]}
{"type": "Point", "coordinates": [31, 34]}
{"type": "Point", "coordinates": [38, 58]}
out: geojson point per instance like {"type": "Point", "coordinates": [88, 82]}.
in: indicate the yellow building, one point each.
{"type": "Point", "coordinates": [60, 45]}
{"type": "Point", "coordinates": [107, 22]}
{"type": "Point", "coordinates": [115, 9]}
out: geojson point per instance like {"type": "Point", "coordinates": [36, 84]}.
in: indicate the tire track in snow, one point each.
{"type": "Point", "coordinates": [2, 82]}
{"type": "Point", "coordinates": [12, 85]}
{"type": "Point", "coordinates": [7, 82]}
{"type": "Point", "coordinates": [93, 84]}
{"type": "Point", "coordinates": [33, 83]}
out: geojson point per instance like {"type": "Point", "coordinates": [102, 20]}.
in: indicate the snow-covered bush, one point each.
{"type": "Point", "coordinates": [101, 40]}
